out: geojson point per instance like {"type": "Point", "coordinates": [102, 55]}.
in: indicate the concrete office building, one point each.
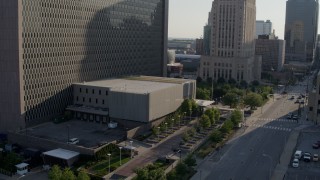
{"type": "Point", "coordinates": [263, 28]}
{"type": "Point", "coordinates": [46, 45]}
{"type": "Point", "coordinates": [301, 29]}
{"type": "Point", "coordinates": [232, 53]}
{"type": "Point", "coordinates": [272, 52]}
{"type": "Point", "coordinates": [199, 46]}
{"type": "Point", "coordinates": [140, 99]}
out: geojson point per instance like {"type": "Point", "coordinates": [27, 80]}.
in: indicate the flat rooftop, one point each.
{"type": "Point", "coordinates": [137, 84]}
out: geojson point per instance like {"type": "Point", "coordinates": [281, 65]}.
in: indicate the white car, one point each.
{"type": "Point", "coordinates": [315, 157]}
{"type": "Point", "coordinates": [295, 163]}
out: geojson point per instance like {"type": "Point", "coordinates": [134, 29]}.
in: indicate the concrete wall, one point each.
{"type": "Point", "coordinates": [129, 106]}
{"type": "Point", "coordinates": [10, 66]}
{"type": "Point", "coordinates": [165, 101]}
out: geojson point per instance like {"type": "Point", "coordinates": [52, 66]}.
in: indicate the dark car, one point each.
{"type": "Point", "coordinates": [307, 157]}
{"type": "Point", "coordinates": [315, 146]}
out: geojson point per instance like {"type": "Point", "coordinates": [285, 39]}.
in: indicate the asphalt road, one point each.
{"type": "Point", "coordinates": [255, 153]}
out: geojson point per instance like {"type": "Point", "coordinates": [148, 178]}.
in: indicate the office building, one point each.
{"type": "Point", "coordinates": [272, 52]}
{"type": "Point", "coordinates": [46, 46]}
{"type": "Point", "coordinates": [313, 110]}
{"type": "Point", "coordinates": [263, 28]}
{"type": "Point", "coordinates": [232, 53]}
{"type": "Point", "coordinates": [199, 46]}
{"type": "Point", "coordinates": [301, 29]}
{"type": "Point", "coordinates": [138, 98]}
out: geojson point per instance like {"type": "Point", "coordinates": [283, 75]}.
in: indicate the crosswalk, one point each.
{"type": "Point", "coordinates": [278, 120]}
{"type": "Point", "coordinates": [272, 127]}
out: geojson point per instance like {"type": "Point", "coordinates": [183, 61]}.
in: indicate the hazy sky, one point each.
{"type": "Point", "coordinates": [187, 17]}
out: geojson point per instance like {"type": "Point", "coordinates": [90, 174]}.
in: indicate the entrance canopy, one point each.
{"type": "Point", "coordinates": [61, 154]}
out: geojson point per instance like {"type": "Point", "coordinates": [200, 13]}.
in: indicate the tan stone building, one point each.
{"type": "Point", "coordinates": [46, 45]}
{"type": "Point", "coordinates": [232, 53]}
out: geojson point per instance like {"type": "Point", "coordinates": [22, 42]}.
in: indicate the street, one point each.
{"type": "Point", "coordinates": [255, 153]}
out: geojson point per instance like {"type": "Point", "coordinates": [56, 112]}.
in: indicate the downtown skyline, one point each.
{"type": "Point", "coordinates": [187, 17]}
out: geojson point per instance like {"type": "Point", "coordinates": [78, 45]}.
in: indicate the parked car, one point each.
{"type": "Point", "coordinates": [315, 157]}
{"type": "Point", "coordinates": [315, 146]}
{"type": "Point", "coordinates": [298, 154]}
{"type": "Point", "coordinates": [73, 141]}
{"type": "Point", "coordinates": [307, 157]}
{"type": "Point", "coordinates": [289, 116]}
{"type": "Point", "coordinates": [295, 117]}
{"type": "Point", "coordinates": [295, 163]}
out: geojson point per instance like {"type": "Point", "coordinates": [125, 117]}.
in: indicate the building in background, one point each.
{"type": "Point", "coordinates": [182, 46]}
{"type": "Point", "coordinates": [46, 46]}
{"type": "Point", "coordinates": [272, 52]}
{"type": "Point", "coordinates": [206, 40]}
{"type": "Point", "coordinates": [263, 28]}
{"type": "Point", "coordinates": [301, 29]}
{"type": "Point", "coordinates": [232, 53]}
{"type": "Point", "coordinates": [199, 46]}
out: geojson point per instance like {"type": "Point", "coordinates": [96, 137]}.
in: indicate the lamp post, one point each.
{"type": "Point", "coordinates": [120, 155]}
{"type": "Point", "coordinates": [68, 133]}
{"type": "Point", "coordinates": [109, 161]}
{"type": "Point", "coordinates": [166, 128]}
{"type": "Point", "coordinates": [270, 158]}
{"type": "Point", "coordinates": [179, 120]}
{"type": "Point", "coordinates": [131, 148]}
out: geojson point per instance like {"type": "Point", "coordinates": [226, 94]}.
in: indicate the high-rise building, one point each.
{"type": "Point", "coordinates": [199, 46]}
{"type": "Point", "coordinates": [232, 53]}
{"type": "Point", "coordinates": [272, 51]}
{"type": "Point", "coordinates": [263, 28]}
{"type": "Point", "coordinates": [301, 30]}
{"type": "Point", "coordinates": [46, 45]}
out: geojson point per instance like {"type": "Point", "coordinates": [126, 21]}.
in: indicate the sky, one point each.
{"type": "Point", "coordinates": [187, 17]}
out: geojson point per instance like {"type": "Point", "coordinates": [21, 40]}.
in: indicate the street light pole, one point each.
{"type": "Point", "coordinates": [270, 158]}
{"type": "Point", "coordinates": [109, 161]}
{"type": "Point", "coordinates": [120, 155]}
{"type": "Point", "coordinates": [131, 148]}
{"type": "Point", "coordinates": [166, 128]}
{"type": "Point", "coordinates": [179, 120]}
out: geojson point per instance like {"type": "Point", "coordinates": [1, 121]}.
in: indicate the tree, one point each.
{"type": "Point", "coordinates": [216, 114]}
{"type": "Point", "coordinates": [253, 100]}
{"type": "Point", "coordinates": [155, 131]}
{"type": "Point", "coordinates": [221, 80]}
{"type": "Point", "coordinates": [232, 81]}
{"type": "Point", "coordinates": [243, 84]}
{"type": "Point", "coordinates": [199, 79]}
{"type": "Point", "coordinates": [172, 175]}
{"type": "Point", "coordinates": [190, 160]}
{"type": "Point", "coordinates": [227, 126]}
{"type": "Point", "coordinates": [83, 176]}
{"type": "Point", "coordinates": [211, 114]}
{"type": "Point", "coordinates": [205, 121]}
{"type": "Point", "coordinates": [181, 169]}
{"type": "Point", "coordinates": [236, 117]}
{"type": "Point", "coordinates": [142, 173]}
{"type": "Point", "coordinates": [186, 106]}
{"type": "Point", "coordinates": [216, 136]}
{"type": "Point", "coordinates": [55, 173]}
{"type": "Point", "coordinates": [185, 136]}
{"type": "Point", "coordinates": [10, 160]}
{"type": "Point", "coordinates": [230, 99]}
{"type": "Point", "coordinates": [67, 174]}
{"type": "Point", "coordinates": [255, 83]}
{"type": "Point", "coordinates": [203, 94]}
{"type": "Point", "coordinates": [150, 172]}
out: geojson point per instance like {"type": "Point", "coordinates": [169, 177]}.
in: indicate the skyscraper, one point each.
{"type": "Point", "coordinates": [46, 45]}
{"type": "Point", "coordinates": [232, 53]}
{"type": "Point", "coordinates": [263, 28]}
{"type": "Point", "coordinates": [301, 30]}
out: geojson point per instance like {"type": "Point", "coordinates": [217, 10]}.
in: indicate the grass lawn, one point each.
{"type": "Point", "coordinates": [102, 167]}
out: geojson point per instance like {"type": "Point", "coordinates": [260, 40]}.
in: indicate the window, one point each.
{"type": "Point", "coordinates": [87, 91]}
{"type": "Point", "coordinates": [77, 98]}
{"type": "Point", "coordinates": [89, 100]}
{"type": "Point", "coordinates": [92, 91]}
{"type": "Point", "coordinates": [99, 92]}
{"type": "Point", "coordinates": [96, 101]}
{"type": "Point", "coordinates": [80, 89]}
{"type": "Point", "coordinates": [83, 99]}
{"type": "Point", "coordinates": [106, 93]}
{"type": "Point", "coordinates": [102, 101]}
{"type": "Point", "coordinates": [310, 108]}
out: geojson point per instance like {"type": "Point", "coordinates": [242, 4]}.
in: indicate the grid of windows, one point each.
{"type": "Point", "coordinates": [67, 41]}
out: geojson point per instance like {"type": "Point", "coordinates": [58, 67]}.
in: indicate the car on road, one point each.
{"type": "Point", "coordinates": [295, 163]}
{"type": "Point", "coordinates": [295, 117]}
{"type": "Point", "coordinates": [315, 157]}
{"type": "Point", "coordinates": [73, 141]}
{"type": "Point", "coordinates": [307, 157]}
{"type": "Point", "coordinates": [298, 154]}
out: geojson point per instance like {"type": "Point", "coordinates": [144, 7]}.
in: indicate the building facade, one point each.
{"type": "Point", "coordinates": [272, 52]}
{"type": "Point", "coordinates": [232, 53]}
{"type": "Point", "coordinates": [301, 29]}
{"type": "Point", "coordinates": [313, 111]}
{"type": "Point", "coordinates": [45, 46]}
{"type": "Point", "coordinates": [199, 46]}
{"type": "Point", "coordinates": [139, 98]}
{"type": "Point", "coordinates": [263, 28]}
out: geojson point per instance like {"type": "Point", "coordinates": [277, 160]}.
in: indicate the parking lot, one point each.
{"type": "Point", "coordinates": [306, 170]}
{"type": "Point", "coordinates": [90, 134]}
